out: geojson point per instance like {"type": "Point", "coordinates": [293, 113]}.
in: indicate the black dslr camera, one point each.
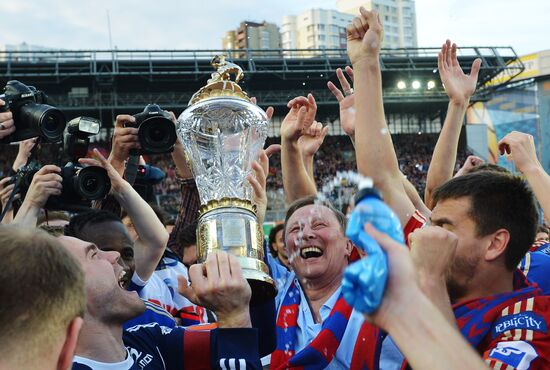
{"type": "Point", "coordinates": [80, 184]}
{"type": "Point", "coordinates": [156, 131]}
{"type": "Point", "coordinates": [32, 116]}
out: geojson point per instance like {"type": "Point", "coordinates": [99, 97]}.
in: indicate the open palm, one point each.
{"type": "Point", "coordinates": [458, 85]}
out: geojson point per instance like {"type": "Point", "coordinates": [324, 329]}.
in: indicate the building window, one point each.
{"type": "Point", "coordinates": [321, 27]}
{"type": "Point", "coordinates": [322, 37]}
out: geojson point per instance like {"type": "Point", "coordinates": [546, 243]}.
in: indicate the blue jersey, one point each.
{"type": "Point", "coordinates": [153, 314]}
{"type": "Point", "coordinates": [536, 267]}
{"type": "Point", "coordinates": [152, 347]}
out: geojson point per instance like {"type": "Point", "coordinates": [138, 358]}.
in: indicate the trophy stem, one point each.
{"type": "Point", "coordinates": [231, 225]}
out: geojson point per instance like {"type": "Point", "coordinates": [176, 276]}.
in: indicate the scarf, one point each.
{"type": "Point", "coordinates": [475, 318]}
{"type": "Point", "coordinates": [321, 351]}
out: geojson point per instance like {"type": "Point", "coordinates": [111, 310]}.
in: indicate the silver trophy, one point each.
{"type": "Point", "coordinates": [222, 133]}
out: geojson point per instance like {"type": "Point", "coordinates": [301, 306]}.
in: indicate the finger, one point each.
{"type": "Point", "coordinates": [264, 162]}
{"type": "Point", "coordinates": [259, 172]}
{"type": "Point", "coordinates": [253, 100]}
{"type": "Point", "coordinates": [256, 187]}
{"type": "Point", "coordinates": [272, 149]}
{"type": "Point", "coordinates": [297, 101]}
{"type": "Point", "coordinates": [440, 62]}
{"type": "Point", "coordinates": [503, 147]}
{"type": "Point", "coordinates": [335, 91]}
{"type": "Point", "coordinates": [454, 58]}
{"type": "Point", "coordinates": [123, 132]}
{"type": "Point", "coordinates": [234, 265]}
{"type": "Point", "coordinates": [185, 290]}
{"type": "Point", "coordinates": [312, 108]}
{"type": "Point", "coordinates": [8, 124]}
{"type": "Point", "coordinates": [351, 32]}
{"type": "Point", "coordinates": [343, 80]}
{"type": "Point", "coordinates": [476, 66]}
{"type": "Point", "coordinates": [269, 112]}
{"type": "Point", "coordinates": [89, 162]}
{"type": "Point", "coordinates": [49, 177]}
{"type": "Point", "coordinates": [324, 132]}
{"type": "Point", "coordinates": [123, 119]}
{"type": "Point", "coordinates": [51, 185]}
{"type": "Point", "coordinates": [6, 191]}
{"type": "Point", "coordinates": [358, 25]}
{"type": "Point", "coordinates": [5, 180]}
{"type": "Point", "coordinates": [212, 271]}
{"type": "Point", "coordinates": [349, 72]}
{"type": "Point", "coordinates": [448, 54]}
{"type": "Point", "coordinates": [301, 119]}
{"type": "Point", "coordinates": [172, 116]}
{"type": "Point", "coordinates": [49, 168]}
{"type": "Point", "coordinates": [223, 266]}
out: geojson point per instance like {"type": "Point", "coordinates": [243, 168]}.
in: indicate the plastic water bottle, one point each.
{"type": "Point", "coordinates": [365, 280]}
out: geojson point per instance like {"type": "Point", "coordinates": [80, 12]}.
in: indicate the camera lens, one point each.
{"type": "Point", "coordinates": [45, 120]}
{"type": "Point", "coordinates": [92, 183]}
{"type": "Point", "coordinates": [157, 135]}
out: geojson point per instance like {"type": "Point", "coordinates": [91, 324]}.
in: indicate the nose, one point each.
{"type": "Point", "coordinates": [112, 256]}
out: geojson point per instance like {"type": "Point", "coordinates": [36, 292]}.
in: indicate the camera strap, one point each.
{"type": "Point", "coordinates": [130, 172]}
{"type": "Point", "coordinates": [10, 199]}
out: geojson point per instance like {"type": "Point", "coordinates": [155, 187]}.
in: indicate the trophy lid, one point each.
{"type": "Point", "coordinates": [221, 85]}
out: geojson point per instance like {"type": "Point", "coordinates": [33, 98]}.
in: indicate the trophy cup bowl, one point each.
{"type": "Point", "coordinates": [222, 133]}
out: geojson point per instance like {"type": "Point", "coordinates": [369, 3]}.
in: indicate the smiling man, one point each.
{"type": "Point", "coordinates": [315, 327]}
{"type": "Point", "coordinates": [103, 343]}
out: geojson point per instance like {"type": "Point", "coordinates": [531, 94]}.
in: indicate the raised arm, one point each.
{"type": "Point", "coordinates": [296, 181]}
{"type": "Point", "coordinates": [520, 148]}
{"type": "Point", "coordinates": [459, 87]}
{"type": "Point", "coordinates": [346, 101]}
{"type": "Point", "coordinates": [423, 334]}
{"type": "Point", "coordinates": [374, 150]}
{"type": "Point", "coordinates": [152, 236]}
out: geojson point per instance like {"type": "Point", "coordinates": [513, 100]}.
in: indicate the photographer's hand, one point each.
{"type": "Point", "coordinates": [5, 192]}
{"type": "Point", "coordinates": [7, 125]}
{"type": "Point", "coordinates": [25, 148]}
{"type": "Point", "coordinates": [45, 183]}
{"type": "Point", "coordinates": [124, 139]}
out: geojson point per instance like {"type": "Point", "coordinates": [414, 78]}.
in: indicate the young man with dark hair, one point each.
{"type": "Point", "coordinates": [277, 245]}
{"type": "Point", "coordinates": [43, 301]}
{"type": "Point", "coordinates": [103, 343]}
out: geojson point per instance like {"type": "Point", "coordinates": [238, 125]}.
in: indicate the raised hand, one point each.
{"type": "Point", "coordinates": [258, 181]}
{"type": "Point", "coordinates": [24, 153]}
{"type": "Point", "coordinates": [470, 162]}
{"type": "Point", "coordinates": [458, 85]}
{"type": "Point", "coordinates": [346, 100]}
{"type": "Point", "coordinates": [299, 118]}
{"type": "Point", "coordinates": [312, 138]}
{"type": "Point", "coordinates": [124, 139]}
{"type": "Point", "coordinates": [520, 148]}
{"type": "Point", "coordinates": [45, 183]}
{"type": "Point", "coordinates": [117, 182]}
{"type": "Point", "coordinates": [365, 35]}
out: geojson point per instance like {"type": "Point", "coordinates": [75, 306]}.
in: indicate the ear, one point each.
{"type": "Point", "coordinates": [499, 242]}
{"type": "Point", "coordinates": [65, 360]}
{"type": "Point", "coordinates": [349, 247]}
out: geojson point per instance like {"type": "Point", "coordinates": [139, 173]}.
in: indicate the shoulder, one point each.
{"type": "Point", "coordinates": [519, 336]}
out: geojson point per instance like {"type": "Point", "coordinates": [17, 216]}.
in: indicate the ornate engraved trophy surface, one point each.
{"type": "Point", "coordinates": [222, 133]}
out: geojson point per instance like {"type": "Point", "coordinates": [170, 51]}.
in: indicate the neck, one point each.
{"type": "Point", "coordinates": [100, 342]}
{"type": "Point", "coordinates": [487, 285]}
{"type": "Point", "coordinates": [319, 291]}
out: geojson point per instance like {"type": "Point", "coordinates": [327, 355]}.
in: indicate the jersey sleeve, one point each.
{"type": "Point", "coordinates": [206, 349]}
{"type": "Point", "coordinates": [536, 268]}
{"type": "Point", "coordinates": [416, 221]}
{"type": "Point", "coordinates": [519, 337]}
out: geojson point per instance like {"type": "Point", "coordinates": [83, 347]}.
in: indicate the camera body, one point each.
{"type": "Point", "coordinates": [80, 184]}
{"type": "Point", "coordinates": [32, 116]}
{"type": "Point", "coordinates": [156, 131]}
{"type": "Point", "coordinates": [148, 176]}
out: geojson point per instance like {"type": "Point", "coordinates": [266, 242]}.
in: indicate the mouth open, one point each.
{"type": "Point", "coordinates": [310, 252]}
{"type": "Point", "coordinates": [123, 281]}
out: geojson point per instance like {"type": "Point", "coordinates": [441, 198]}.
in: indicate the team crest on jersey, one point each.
{"type": "Point", "coordinates": [517, 354]}
{"type": "Point", "coordinates": [523, 320]}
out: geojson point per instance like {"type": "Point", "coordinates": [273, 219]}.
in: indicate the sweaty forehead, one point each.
{"type": "Point", "coordinates": [75, 246]}
{"type": "Point", "coordinates": [312, 212]}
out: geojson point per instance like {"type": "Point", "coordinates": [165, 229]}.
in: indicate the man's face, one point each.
{"type": "Point", "coordinates": [189, 255]}
{"type": "Point", "coordinates": [452, 214]}
{"type": "Point", "coordinates": [279, 246]}
{"type": "Point", "coordinates": [541, 236]}
{"type": "Point", "coordinates": [316, 244]}
{"type": "Point", "coordinates": [113, 236]}
{"type": "Point", "coordinates": [107, 299]}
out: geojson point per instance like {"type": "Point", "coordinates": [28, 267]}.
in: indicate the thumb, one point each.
{"type": "Point", "coordinates": [185, 290]}
{"type": "Point", "coordinates": [272, 149]}
{"type": "Point", "coordinates": [476, 65]}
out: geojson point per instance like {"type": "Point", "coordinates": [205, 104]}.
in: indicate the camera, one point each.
{"type": "Point", "coordinates": [146, 177]}
{"type": "Point", "coordinates": [32, 116]}
{"type": "Point", "coordinates": [80, 184]}
{"type": "Point", "coordinates": [156, 131]}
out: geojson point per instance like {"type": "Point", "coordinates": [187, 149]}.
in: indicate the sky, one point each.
{"type": "Point", "coordinates": [201, 24]}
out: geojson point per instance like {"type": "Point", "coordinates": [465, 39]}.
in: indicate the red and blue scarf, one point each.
{"type": "Point", "coordinates": [321, 351]}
